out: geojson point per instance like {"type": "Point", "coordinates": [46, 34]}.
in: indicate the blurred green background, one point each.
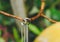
{"type": "Point", "coordinates": [8, 24]}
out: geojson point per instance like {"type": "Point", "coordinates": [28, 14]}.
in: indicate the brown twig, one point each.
{"type": "Point", "coordinates": [49, 19]}
{"type": "Point", "coordinates": [33, 18]}
{"type": "Point", "coordinates": [7, 14]}
{"type": "Point", "coordinates": [40, 12]}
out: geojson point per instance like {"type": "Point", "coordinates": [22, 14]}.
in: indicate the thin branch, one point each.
{"type": "Point", "coordinates": [33, 18]}
{"type": "Point", "coordinates": [19, 18]}
{"type": "Point", "coordinates": [40, 12]}
{"type": "Point", "coordinates": [9, 15]}
{"type": "Point", "coordinates": [49, 19]}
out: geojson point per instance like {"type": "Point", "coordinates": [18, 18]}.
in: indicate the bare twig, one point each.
{"type": "Point", "coordinates": [7, 14]}
{"type": "Point", "coordinates": [49, 19]}
{"type": "Point", "coordinates": [33, 18]}
{"type": "Point", "coordinates": [40, 12]}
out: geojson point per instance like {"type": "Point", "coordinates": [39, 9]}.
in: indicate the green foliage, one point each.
{"type": "Point", "coordinates": [1, 5]}
{"type": "Point", "coordinates": [5, 5]}
{"type": "Point", "coordinates": [48, 14]}
{"type": "Point", "coordinates": [55, 14]}
{"type": "Point", "coordinates": [0, 33]}
{"type": "Point", "coordinates": [34, 29]}
{"type": "Point", "coordinates": [32, 8]}
{"type": "Point", "coordinates": [1, 39]}
{"type": "Point", "coordinates": [16, 35]}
